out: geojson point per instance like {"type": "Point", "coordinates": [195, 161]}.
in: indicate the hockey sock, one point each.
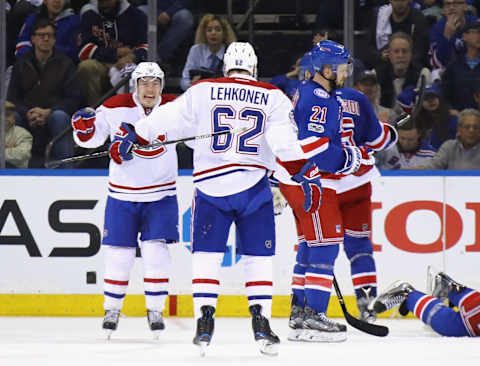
{"type": "Point", "coordinates": [205, 282]}
{"type": "Point", "coordinates": [298, 279]}
{"type": "Point", "coordinates": [319, 276]}
{"type": "Point", "coordinates": [156, 264]}
{"type": "Point", "coordinates": [455, 297]}
{"type": "Point", "coordinates": [259, 282]}
{"type": "Point", "coordinates": [118, 264]}
{"type": "Point", "coordinates": [434, 313]}
{"type": "Point", "coordinates": [362, 265]}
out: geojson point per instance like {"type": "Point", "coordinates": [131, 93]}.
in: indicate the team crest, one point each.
{"type": "Point", "coordinates": [321, 93]}
{"type": "Point", "coordinates": [154, 151]}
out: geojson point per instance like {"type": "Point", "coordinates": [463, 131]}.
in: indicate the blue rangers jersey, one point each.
{"type": "Point", "coordinates": [361, 127]}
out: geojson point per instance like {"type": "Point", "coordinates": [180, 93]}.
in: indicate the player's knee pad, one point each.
{"type": "Point", "coordinates": [323, 255]}
{"type": "Point", "coordinates": [355, 247]}
{"type": "Point", "coordinates": [206, 264]}
{"type": "Point", "coordinates": [118, 261]}
{"type": "Point", "coordinates": [156, 257]}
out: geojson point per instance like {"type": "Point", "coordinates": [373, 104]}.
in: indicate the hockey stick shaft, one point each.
{"type": "Point", "coordinates": [418, 104]}
{"type": "Point", "coordinates": [100, 154]}
{"type": "Point", "coordinates": [373, 329]}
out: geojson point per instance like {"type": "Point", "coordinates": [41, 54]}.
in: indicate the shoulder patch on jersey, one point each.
{"type": "Point", "coordinates": [321, 93]}
{"type": "Point", "coordinates": [120, 100]}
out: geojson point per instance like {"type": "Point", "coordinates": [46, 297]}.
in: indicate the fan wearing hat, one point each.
{"type": "Point", "coordinates": [18, 141]}
{"type": "Point", "coordinates": [366, 81]}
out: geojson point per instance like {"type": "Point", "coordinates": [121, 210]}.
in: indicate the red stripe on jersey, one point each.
{"type": "Point", "coordinates": [205, 280]}
{"type": "Point", "coordinates": [120, 100]}
{"type": "Point", "coordinates": [260, 84]}
{"type": "Point", "coordinates": [140, 188]}
{"type": "Point", "coordinates": [85, 52]}
{"type": "Point", "coordinates": [155, 280]}
{"type": "Point", "coordinates": [258, 283]}
{"type": "Point", "coordinates": [364, 280]}
{"type": "Point", "coordinates": [386, 135]}
{"type": "Point", "coordinates": [317, 144]}
{"type": "Point", "coordinates": [300, 281]}
{"type": "Point", "coordinates": [319, 281]}
{"type": "Point", "coordinates": [228, 166]}
{"type": "Point", "coordinates": [421, 305]}
{"type": "Point", "coordinates": [115, 282]}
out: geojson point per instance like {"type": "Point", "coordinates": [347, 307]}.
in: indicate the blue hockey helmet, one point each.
{"type": "Point", "coordinates": [305, 65]}
{"type": "Point", "coordinates": [333, 54]}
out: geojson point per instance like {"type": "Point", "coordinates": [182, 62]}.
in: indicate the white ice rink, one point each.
{"type": "Point", "coordinates": [45, 341]}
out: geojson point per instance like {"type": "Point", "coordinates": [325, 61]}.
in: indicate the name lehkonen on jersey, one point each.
{"type": "Point", "coordinates": [238, 94]}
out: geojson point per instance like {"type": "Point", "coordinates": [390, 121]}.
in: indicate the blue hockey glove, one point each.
{"type": "Point", "coordinates": [309, 178]}
{"type": "Point", "coordinates": [121, 147]}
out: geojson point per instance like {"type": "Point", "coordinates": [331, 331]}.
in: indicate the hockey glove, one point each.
{"type": "Point", "coordinates": [309, 178]}
{"type": "Point", "coordinates": [353, 160]}
{"type": "Point", "coordinates": [279, 202]}
{"type": "Point", "coordinates": [83, 123]}
{"type": "Point", "coordinates": [121, 147]}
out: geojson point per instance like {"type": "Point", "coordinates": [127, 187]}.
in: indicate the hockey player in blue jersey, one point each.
{"type": "Point", "coordinates": [318, 113]}
{"type": "Point", "coordinates": [431, 308]}
{"type": "Point", "coordinates": [361, 128]}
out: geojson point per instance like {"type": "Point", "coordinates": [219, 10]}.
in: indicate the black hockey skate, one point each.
{"type": "Point", "coordinates": [395, 295]}
{"type": "Point", "coordinates": [155, 322]}
{"type": "Point", "coordinates": [295, 323]}
{"type": "Point", "coordinates": [442, 284]}
{"type": "Point", "coordinates": [264, 336]}
{"type": "Point", "coordinates": [365, 312]}
{"type": "Point", "coordinates": [318, 328]}
{"type": "Point", "coordinates": [110, 321]}
{"type": "Point", "coordinates": [205, 327]}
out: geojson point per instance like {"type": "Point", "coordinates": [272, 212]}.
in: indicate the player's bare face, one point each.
{"type": "Point", "coordinates": [148, 91]}
{"type": "Point", "coordinates": [343, 71]}
{"type": "Point", "coordinates": [214, 33]}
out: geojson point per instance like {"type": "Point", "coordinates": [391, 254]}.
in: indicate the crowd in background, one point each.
{"type": "Point", "coordinates": [64, 55]}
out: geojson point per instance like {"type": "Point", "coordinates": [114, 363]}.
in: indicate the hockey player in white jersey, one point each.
{"type": "Point", "coordinates": [141, 196]}
{"type": "Point", "coordinates": [230, 179]}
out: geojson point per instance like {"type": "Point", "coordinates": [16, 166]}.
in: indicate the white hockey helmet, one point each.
{"type": "Point", "coordinates": [241, 56]}
{"type": "Point", "coordinates": [147, 69]}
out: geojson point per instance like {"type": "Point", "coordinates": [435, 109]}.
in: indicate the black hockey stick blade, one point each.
{"type": "Point", "coordinates": [373, 329]}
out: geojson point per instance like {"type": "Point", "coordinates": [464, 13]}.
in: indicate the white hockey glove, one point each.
{"type": "Point", "coordinates": [279, 202]}
{"type": "Point", "coordinates": [353, 160]}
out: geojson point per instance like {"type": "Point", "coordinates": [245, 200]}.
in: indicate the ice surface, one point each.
{"type": "Point", "coordinates": [47, 341]}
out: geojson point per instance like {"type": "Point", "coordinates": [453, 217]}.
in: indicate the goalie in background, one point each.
{"type": "Point", "coordinates": [431, 308]}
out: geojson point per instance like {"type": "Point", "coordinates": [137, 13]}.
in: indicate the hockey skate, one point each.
{"type": "Point", "coordinates": [318, 328]}
{"type": "Point", "coordinates": [110, 321]}
{"type": "Point", "coordinates": [296, 323]}
{"type": "Point", "coordinates": [205, 327]}
{"type": "Point", "coordinates": [264, 336]}
{"type": "Point", "coordinates": [392, 297]}
{"type": "Point", "coordinates": [155, 322]}
{"type": "Point", "coordinates": [440, 284]}
{"type": "Point", "coordinates": [365, 312]}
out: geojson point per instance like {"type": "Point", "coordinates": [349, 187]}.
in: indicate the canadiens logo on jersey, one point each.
{"type": "Point", "coordinates": [154, 151]}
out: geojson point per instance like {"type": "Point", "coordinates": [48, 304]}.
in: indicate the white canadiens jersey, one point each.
{"type": "Point", "coordinates": [151, 174]}
{"type": "Point", "coordinates": [228, 164]}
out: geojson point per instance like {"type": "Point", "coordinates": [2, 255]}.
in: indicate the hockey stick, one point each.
{"type": "Point", "coordinates": [373, 329]}
{"type": "Point", "coordinates": [74, 159]}
{"type": "Point", "coordinates": [418, 104]}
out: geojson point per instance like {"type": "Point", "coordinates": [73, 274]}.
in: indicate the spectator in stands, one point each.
{"type": "Point", "coordinates": [366, 81]}
{"type": "Point", "coordinates": [320, 34]}
{"type": "Point", "coordinates": [45, 91]}
{"type": "Point", "coordinates": [18, 141]}
{"type": "Point", "coordinates": [463, 153]}
{"type": "Point", "coordinates": [397, 16]}
{"type": "Point", "coordinates": [289, 82]}
{"type": "Point", "coordinates": [446, 35]}
{"type": "Point", "coordinates": [205, 58]}
{"type": "Point", "coordinates": [409, 151]}
{"type": "Point", "coordinates": [67, 25]}
{"type": "Point", "coordinates": [431, 10]}
{"type": "Point", "coordinates": [113, 34]}
{"type": "Point", "coordinates": [175, 21]}
{"type": "Point", "coordinates": [463, 74]}
{"type": "Point", "coordinates": [476, 95]}
{"type": "Point", "coordinates": [397, 71]}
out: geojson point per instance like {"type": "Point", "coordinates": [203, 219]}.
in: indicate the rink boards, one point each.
{"type": "Point", "coordinates": [51, 223]}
